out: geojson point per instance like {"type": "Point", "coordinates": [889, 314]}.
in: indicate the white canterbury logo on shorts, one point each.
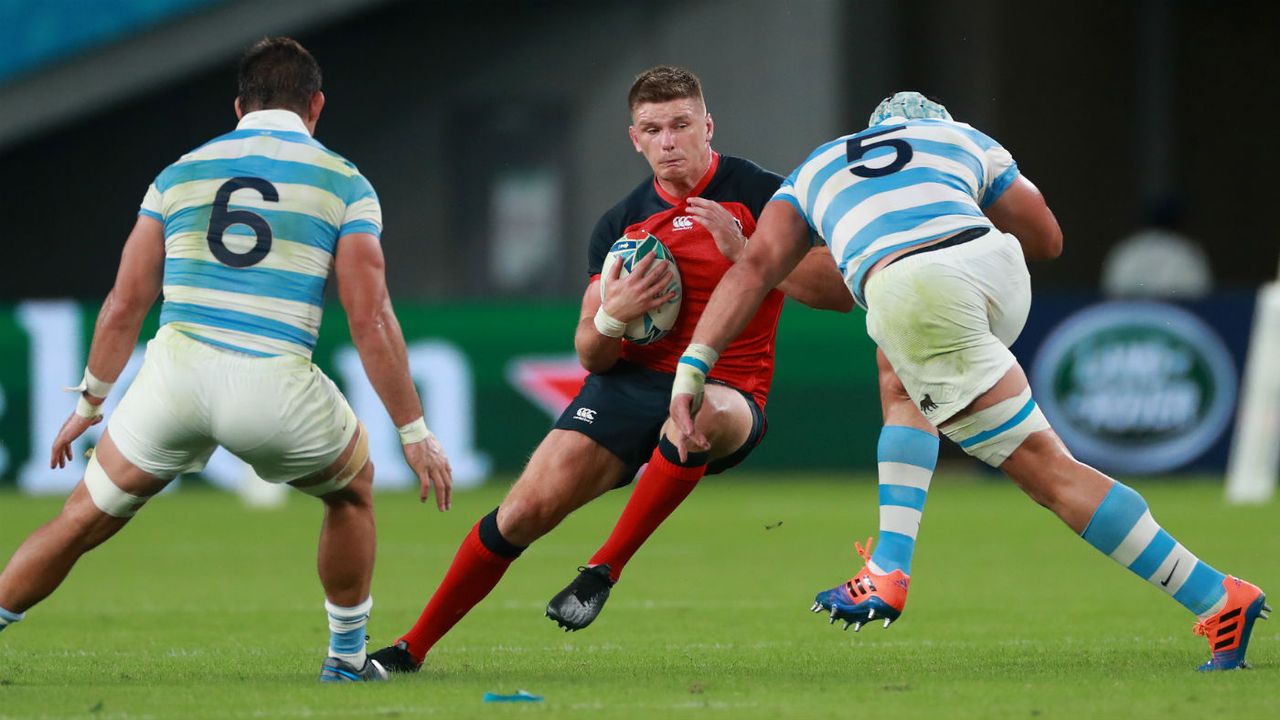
{"type": "Point", "coordinates": [586, 415]}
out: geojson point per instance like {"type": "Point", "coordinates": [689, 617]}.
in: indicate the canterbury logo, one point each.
{"type": "Point", "coordinates": [586, 415]}
{"type": "Point", "coordinates": [682, 222]}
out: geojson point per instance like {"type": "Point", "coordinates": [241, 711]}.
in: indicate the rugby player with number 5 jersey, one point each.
{"type": "Point", "coordinates": [931, 224]}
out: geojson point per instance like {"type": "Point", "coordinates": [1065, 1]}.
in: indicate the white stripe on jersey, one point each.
{"type": "Point", "coordinates": [297, 314]}
{"type": "Point", "coordinates": [953, 171]}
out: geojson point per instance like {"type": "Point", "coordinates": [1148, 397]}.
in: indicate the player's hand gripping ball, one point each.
{"type": "Point", "coordinates": [629, 250]}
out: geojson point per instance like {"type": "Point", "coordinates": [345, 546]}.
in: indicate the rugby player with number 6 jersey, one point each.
{"type": "Point", "coordinates": [702, 206]}
{"type": "Point", "coordinates": [931, 223]}
{"type": "Point", "coordinates": [241, 235]}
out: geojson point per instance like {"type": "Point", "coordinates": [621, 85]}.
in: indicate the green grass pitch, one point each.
{"type": "Point", "coordinates": [203, 609]}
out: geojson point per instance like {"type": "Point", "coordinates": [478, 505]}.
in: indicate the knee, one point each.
{"type": "Point", "coordinates": [523, 519]}
{"type": "Point", "coordinates": [82, 520]}
{"type": "Point", "coordinates": [713, 422]}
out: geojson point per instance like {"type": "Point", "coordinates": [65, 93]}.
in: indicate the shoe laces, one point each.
{"type": "Point", "coordinates": [1202, 627]}
{"type": "Point", "coordinates": [864, 553]}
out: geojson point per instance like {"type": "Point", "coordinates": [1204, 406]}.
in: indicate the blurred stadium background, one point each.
{"type": "Point", "coordinates": [494, 133]}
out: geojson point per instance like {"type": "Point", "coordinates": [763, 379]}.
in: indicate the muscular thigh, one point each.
{"type": "Point", "coordinates": [725, 419]}
{"type": "Point", "coordinates": [732, 422]}
{"type": "Point", "coordinates": [565, 472]}
{"type": "Point", "coordinates": [932, 320]}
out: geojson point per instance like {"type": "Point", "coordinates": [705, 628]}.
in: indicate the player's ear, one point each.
{"type": "Point", "coordinates": [711, 127]}
{"type": "Point", "coordinates": [239, 111]}
{"type": "Point", "coordinates": [635, 137]}
{"type": "Point", "coordinates": [315, 106]}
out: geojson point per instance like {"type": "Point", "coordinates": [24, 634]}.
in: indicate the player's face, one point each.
{"type": "Point", "coordinates": [675, 137]}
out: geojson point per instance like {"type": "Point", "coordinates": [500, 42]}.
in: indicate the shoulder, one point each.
{"type": "Point", "coordinates": [741, 180]}
{"type": "Point", "coordinates": [636, 206]}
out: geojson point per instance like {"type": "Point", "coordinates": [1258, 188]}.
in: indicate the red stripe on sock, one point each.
{"type": "Point", "coordinates": [659, 491]}
{"type": "Point", "coordinates": [474, 573]}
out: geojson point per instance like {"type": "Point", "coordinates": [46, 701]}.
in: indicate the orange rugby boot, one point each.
{"type": "Point", "coordinates": [1228, 631]}
{"type": "Point", "coordinates": [866, 597]}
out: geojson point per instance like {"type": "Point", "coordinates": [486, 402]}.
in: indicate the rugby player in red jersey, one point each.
{"type": "Point", "coordinates": [702, 206]}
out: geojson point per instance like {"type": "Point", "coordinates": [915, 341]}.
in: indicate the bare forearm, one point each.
{"type": "Point", "coordinates": [114, 336]}
{"type": "Point", "coordinates": [817, 283]}
{"type": "Point", "coordinates": [380, 343]}
{"type": "Point", "coordinates": [596, 352]}
{"type": "Point", "coordinates": [732, 306]}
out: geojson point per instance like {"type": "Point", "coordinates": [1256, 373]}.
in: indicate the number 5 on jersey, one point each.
{"type": "Point", "coordinates": [221, 218]}
{"type": "Point", "coordinates": [855, 151]}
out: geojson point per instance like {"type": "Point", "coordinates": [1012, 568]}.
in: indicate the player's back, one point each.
{"type": "Point", "coordinates": [896, 185]}
{"type": "Point", "coordinates": [251, 226]}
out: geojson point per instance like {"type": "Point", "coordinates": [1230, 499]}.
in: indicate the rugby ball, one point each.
{"type": "Point", "coordinates": [629, 250]}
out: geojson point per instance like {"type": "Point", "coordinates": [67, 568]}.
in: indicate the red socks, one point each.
{"type": "Point", "coordinates": [663, 486]}
{"type": "Point", "coordinates": [481, 562]}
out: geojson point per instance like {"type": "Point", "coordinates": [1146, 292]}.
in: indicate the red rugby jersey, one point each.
{"type": "Point", "coordinates": [743, 188]}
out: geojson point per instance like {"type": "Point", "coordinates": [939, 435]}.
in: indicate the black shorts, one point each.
{"type": "Point", "coordinates": [624, 409]}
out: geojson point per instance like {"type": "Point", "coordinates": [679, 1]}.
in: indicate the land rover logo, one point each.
{"type": "Point", "coordinates": [1135, 387]}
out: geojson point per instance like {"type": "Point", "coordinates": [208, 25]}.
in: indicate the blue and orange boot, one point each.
{"type": "Point", "coordinates": [1228, 631]}
{"type": "Point", "coordinates": [866, 597]}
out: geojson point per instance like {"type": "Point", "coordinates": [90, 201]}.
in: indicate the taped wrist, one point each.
{"type": "Point", "coordinates": [608, 325]}
{"type": "Point", "coordinates": [413, 432]}
{"type": "Point", "coordinates": [691, 372]}
{"type": "Point", "coordinates": [491, 538]}
{"type": "Point", "coordinates": [92, 385]}
{"type": "Point", "coordinates": [86, 409]}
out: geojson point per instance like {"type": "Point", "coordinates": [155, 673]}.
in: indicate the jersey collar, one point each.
{"type": "Point", "coordinates": [285, 120]}
{"type": "Point", "coordinates": [697, 189]}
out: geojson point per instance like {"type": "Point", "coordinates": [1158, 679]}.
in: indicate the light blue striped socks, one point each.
{"type": "Point", "coordinates": [1122, 528]}
{"type": "Point", "coordinates": [906, 458]}
{"type": "Point", "coordinates": [346, 631]}
{"type": "Point", "coordinates": [8, 618]}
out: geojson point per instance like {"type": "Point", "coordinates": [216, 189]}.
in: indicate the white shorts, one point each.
{"type": "Point", "coordinates": [281, 415]}
{"type": "Point", "coordinates": [945, 319]}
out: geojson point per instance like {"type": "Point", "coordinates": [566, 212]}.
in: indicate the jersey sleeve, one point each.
{"type": "Point", "coordinates": [364, 212]}
{"type": "Point", "coordinates": [607, 230]}
{"type": "Point", "coordinates": [786, 192]}
{"type": "Point", "coordinates": [1001, 171]}
{"type": "Point", "coordinates": [151, 204]}
{"type": "Point", "coordinates": [761, 189]}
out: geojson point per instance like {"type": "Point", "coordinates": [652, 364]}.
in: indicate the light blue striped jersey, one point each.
{"type": "Point", "coordinates": [251, 227]}
{"type": "Point", "coordinates": [895, 185]}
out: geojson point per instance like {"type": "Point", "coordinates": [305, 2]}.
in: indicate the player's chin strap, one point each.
{"type": "Point", "coordinates": [692, 370]}
{"type": "Point", "coordinates": [95, 387]}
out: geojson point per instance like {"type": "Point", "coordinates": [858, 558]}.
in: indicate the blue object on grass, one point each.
{"type": "Point", "coordinates": [519, 696]}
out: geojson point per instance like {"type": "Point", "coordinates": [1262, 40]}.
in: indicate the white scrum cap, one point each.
{"type": "Point", "coordinates": [907, 104]}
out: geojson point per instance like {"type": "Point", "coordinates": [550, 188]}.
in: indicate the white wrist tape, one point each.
{"type": "Point", "coordinates": [608, 325]}
{"type": "Point", "coordinates": [92, 385]}
{"type": "Point", "coordinates": [86, 409]}
{"type": "Point", "coordinates": [702, 357]}
{"type": "Point", "coordinates": [691, 372]}
{"type": "Point", "coordinates": [413, 432]}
